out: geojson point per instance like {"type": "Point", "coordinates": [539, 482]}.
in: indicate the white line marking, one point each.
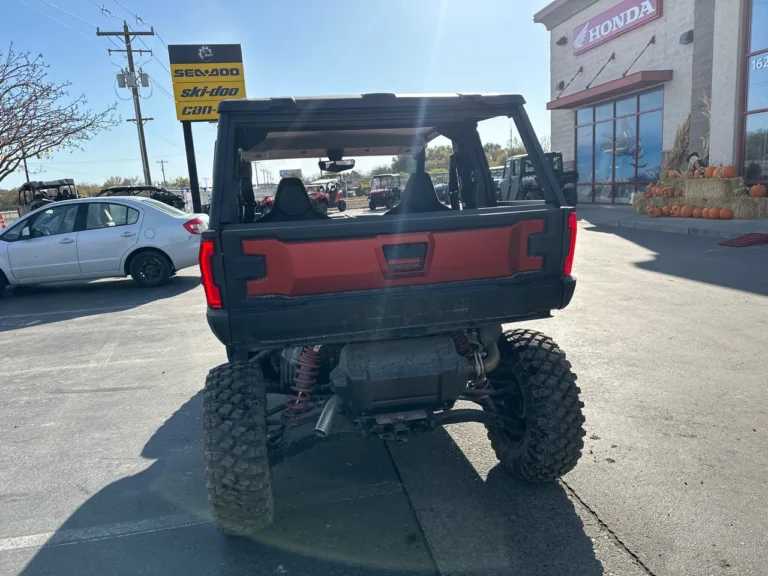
{"type": "Point", "coordinates": [119, 530]}
{"type": "Point", "coordinates": [102, 357]}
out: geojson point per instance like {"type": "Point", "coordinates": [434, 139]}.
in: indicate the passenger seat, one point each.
{"type": "Point", "coordinates": [292, 204]}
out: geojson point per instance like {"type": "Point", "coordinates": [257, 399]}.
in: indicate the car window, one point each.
{"type": "Point", "coordinates": [165, 208]}
{"type": "Point", "coordinates": [104, 215]}
{"type": "Point", "coordinates": [13, 232]}
{"type": "Point", "coordinates": [515, 167]}
{"type": "Point", "coordinates": [55, 220]}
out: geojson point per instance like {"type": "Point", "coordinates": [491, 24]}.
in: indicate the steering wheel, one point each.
{"type": "Point", "coordinates": [45, 230]}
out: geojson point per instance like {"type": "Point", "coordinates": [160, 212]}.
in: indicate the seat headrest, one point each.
{"type": "Point", "coordinates": [291, 197]}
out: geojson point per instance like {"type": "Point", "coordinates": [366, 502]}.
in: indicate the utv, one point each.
{"type": "Point", "coordinates": [147, 191]}
{"type": "Point", "coordinates": [388, 338]}
{"type": "Point", "coordinates": [385, 191]}
{"type": "Point", "coordinates": [326, 194]}
{"type": "Point", "coordinates": [440, 182]}
{"type": "Point", "coordinates": [520, 181]}
{"type": "Point", "coordinates": [33, 195]}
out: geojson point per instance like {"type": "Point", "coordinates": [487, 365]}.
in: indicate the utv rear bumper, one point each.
{"type": "Point", "coordinates": [275, 321]}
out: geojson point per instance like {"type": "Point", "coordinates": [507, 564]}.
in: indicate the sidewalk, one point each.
{"type": "Point", "coordinates": [627, 217]}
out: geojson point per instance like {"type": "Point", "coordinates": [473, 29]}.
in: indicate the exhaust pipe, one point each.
{"type": "Point", "coordinates": [492, 358]}
{"type": "Point", "coordinates": [325, 422]}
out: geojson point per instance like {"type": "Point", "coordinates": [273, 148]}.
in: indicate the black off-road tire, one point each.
{"type": "Point", "coordinates": [553, 439]}
{"type": "Point", "coordinates": [342, 205]}
{"type": "Point", "coordinates": [371, 205]}
{"type": "Point", "coordinates": [390, 203]}
{"type": "Point", "coordinates": [235, 441]}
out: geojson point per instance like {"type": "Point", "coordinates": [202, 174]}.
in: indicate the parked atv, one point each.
{"type": "Point", "coordinates": [326, 193]}
{"type": "Point", "coordinates": [381, 322]}
{"type": "Point", "coordinates": [385, 191]}
{"type": "Point", "coordinates": [35, 194]}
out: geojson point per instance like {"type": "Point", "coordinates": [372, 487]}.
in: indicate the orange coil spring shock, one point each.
{"type": "Point", "coordinates": [461, 341]}
{"type": "Point", "coordinates": [304, 382]}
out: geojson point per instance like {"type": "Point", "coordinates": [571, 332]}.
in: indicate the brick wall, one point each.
{"type": "Point", "coordinates": [666, 54]}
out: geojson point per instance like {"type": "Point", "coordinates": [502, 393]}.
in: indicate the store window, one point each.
{"type": "Point", "coordinates": [618, 147]}
{"type": "Point", "coordinates": [755, 143]}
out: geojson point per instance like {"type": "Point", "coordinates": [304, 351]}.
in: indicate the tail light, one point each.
{"type": "Point", "coordinates": [212, 292]}
{"type": "Point", "coordinates": [572, 227]}
{"type": "Point", "coordinates": [195, 226]}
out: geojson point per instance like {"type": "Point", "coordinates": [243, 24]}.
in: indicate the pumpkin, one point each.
{"type": "Point", "coordinates": [647, 194]}
{"type": "Point", "coordinates": [697, 212]}
{"type": "Point", "coordinates": [668, 192]}
{"type": "Point", "coordinates": [728, 172]}
{"type": "Point", "coordinates": [672, 174]}
{"type": "Point", "coordinates": [665, 210]}
{"type": "Point", "coordinates": [714, 214]}
{"type": "Point", "coordinates": [709, 172]}
{"type": "Point", "coordinates": [657, 190]}
{"type": "Point", "coordinates": [705, 213]}
{"type": "Point", "coordinates": [757, 191]}
{"type": "Point", "coordinates": [687, 211]}
{"type": "Point", "coordinates": [653, 212]}
{"type": "Point", "coordinates": [675, 212]}
{"type": "Point", "coordinates": [726, 214]}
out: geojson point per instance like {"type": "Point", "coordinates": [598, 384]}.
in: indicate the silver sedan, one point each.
{"type": "Point", "coordinates": [91, 238]}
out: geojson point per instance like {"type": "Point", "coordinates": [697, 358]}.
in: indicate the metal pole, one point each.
{"type": "Point", "coordinates": [162, 167]}
{"type": "Point", "coordinates": [194, 184]}
{"type": "Point", "coordinates": [24, 159]}
{"type": "Point", "coordinates": [137, 106]}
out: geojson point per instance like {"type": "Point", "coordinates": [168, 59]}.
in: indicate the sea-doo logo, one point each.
{"type": "Point", "coordinates": [212, 73]}
{"type": "Point", "coordinates": [614, 22]}
{"type": "Point", "coordinates": [205, 53]}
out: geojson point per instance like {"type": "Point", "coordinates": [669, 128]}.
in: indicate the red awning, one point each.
{"type": "Point", "coordinates": [612, 89]}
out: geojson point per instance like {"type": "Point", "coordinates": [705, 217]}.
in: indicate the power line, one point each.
{"type": "Point", "coordinates": [68, 13]}
{"type": "Point", "coordinates": [54, 19]}
{"type": "Point", "coordinates": [104, 10]}
{"type": "Point", "coordinates": [160, 87]}
{"type": "Point", "coordinates": [164, 139]}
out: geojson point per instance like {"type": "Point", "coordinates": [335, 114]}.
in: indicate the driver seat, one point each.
{"type": "Point", "coordinates": [419, 196]}
{"type": "Point", "coordinates": [292, 204]}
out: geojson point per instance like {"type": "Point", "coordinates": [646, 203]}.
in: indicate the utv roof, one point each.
{"type": "Point", "coordinates": [43, 185]}
{"type": "Point", "coordinates": [360, 125]}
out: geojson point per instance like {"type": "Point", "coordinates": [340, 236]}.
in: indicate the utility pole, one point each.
{"type": "Point", "coordinates": [133, 84]}
{"type": "Point", "coordinates": [162, 167]}
{"type": "Point", "coordinates": [206, 182]}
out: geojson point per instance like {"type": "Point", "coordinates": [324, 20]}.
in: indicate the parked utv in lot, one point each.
{"type": "Point", "coordinates": [35, 194]}
{"type": "Point", "coordinates": [154, 192]}
{"type": "Point", "coordinates": [389, 337]}
{"type": "Point", "coordinates": [520, 181]}
{"type": "Point", "coordinates": [326, 194]}
{"type": "Point", "coordinates": [385, 191]}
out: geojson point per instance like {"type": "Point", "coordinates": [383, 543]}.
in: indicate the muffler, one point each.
{"type": "Point", "coordinates": [325, 422]}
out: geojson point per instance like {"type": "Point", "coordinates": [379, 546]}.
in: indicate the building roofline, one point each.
{"type": "Point", "coordinates": [558, 11]}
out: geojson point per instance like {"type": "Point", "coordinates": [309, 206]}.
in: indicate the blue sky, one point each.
{"type": "Point", "coordinates": [290, 47]}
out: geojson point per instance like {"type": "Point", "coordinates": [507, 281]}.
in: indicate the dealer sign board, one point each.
{"type": "Point", "coordinates": [202, 76]}
{"type": "Point", "coordinates": [623, 17]}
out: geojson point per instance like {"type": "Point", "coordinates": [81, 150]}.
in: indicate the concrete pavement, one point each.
{"type": "Point", "coordinates": [101, 467]}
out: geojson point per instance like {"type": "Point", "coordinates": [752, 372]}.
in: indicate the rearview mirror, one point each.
{"type": "Point", "coordinates": [336, 166]}
{"type": "Point", "coordinates": [25, 232]}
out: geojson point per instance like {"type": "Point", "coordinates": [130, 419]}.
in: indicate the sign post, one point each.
{"type": "Point", "coordinates": [203, 75]}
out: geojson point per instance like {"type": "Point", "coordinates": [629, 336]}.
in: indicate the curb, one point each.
{"type": "Point", "coordinates": [654, 227]}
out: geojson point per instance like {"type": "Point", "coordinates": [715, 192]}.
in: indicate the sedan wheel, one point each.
{"type": "Point", "coordinates": [150, 269]}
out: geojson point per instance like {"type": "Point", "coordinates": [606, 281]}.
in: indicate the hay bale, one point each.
{"type": "Point", "coordinates": [708, 187]}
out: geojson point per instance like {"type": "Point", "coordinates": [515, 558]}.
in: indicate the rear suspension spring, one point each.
{"type": "Point", "coordinates": [304, 382]}
{"type": "Point", "coordinates": [462, 343]}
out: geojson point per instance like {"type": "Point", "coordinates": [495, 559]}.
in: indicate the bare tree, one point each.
{"type": "Point", "coordinates": [37, 117]}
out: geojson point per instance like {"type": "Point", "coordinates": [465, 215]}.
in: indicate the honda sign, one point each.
{"type": "Point", "coordinates": [622, 18]}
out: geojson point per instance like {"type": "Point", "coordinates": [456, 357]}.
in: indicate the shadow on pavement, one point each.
{"type": "Point", "coordinates": [340, 511]}
{"type": "Point", "coordinates": [699, 258]}
{"type": "Point", "coordinates": [24, 306]}
{"type": "Point", "coordinates": [499, 526]}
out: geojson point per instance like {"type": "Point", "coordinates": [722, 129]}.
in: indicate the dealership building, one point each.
{"type": "Point", "coordinates": [625, 75]}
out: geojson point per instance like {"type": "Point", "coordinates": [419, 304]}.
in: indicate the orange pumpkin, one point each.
{"type": "Point", "coordinates": [709, 172]}
{"type": "Point", "coordinates": [672, 174]}
{"type": "Point", "coordinates": [647, 195]}
{"type": "Point", "coordinates": [668, 192]}
{"type": "Point", "coordinates": [654, 212]}
{"type": "Point", "coordinates": [697, 212]}
{"type": "Point", "coordinates": [705, 213]}
{"type": "Point", "coordinates": [657, 190]}
{"type": "Point", "coordinates": [714, 213]}
{"type": "Point", "coordinates": [675, 212]}
{"type": "Point", "coordinates": [757, 191]}
{"type": "Point", "coordinates": [687, 211]}
{"type": "Point", "coordinates": [665, 210]}
{"type": "Point", "coordinates": [728, 172]}
{"type": "Point", "coordinates": [726, 214]}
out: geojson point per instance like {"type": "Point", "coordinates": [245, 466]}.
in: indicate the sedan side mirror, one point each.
{"type": "Point", "coordinates": [25, 232]}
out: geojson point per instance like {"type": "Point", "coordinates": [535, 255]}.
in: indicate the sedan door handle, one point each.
{"type": "Point", "coordinates": [66, 241]}
{"type": "Point", "coordinates": [128, 234]}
